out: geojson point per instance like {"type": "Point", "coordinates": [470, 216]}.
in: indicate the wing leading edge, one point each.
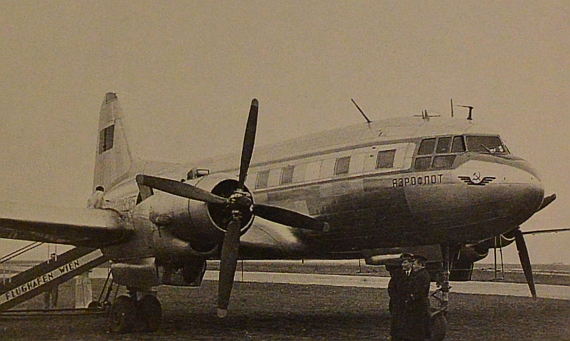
{"type": "Point", "coordinates": [73, 226]}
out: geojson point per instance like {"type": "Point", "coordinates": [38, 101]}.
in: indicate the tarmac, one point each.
{"type": "Point", "coordinates": [558, 292]}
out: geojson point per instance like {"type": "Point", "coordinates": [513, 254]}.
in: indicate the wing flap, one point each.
{"type": "Point", "coordinates": [74, 226]}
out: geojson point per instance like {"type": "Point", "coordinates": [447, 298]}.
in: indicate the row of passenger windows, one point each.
{"type": "Point", "coordinates": [433, 153]}
{"type": "Point", "coordinates": [289, 175]}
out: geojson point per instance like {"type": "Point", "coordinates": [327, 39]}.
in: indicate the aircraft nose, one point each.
{"type": "Point", "coordinates": [514, 185]}
{"type": "Point", "coordinates": [527, 198]}
{"type": "Point", "coordinates": [528, 191]}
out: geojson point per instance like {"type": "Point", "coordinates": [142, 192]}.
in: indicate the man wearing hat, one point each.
{"type": "Point", "coordinates": [416, 305]}
{"type": "Point", "coordinates": [396, 290]}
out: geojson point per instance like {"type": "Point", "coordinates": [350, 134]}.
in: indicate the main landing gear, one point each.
{"type": "Point", "coordinates": [137, 311]}
{"type": "Point", "coordinates": [438, 322]}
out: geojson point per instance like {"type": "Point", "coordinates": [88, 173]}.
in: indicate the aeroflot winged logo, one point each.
{"type": "Point", "coordinates": [476, 180]}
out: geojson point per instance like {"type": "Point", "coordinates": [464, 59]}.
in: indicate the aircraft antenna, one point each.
{"type": "Point", "coordinates": [362, 112]}
{"type": "Point", "coordinates": [426, 116]}
{"type": "Point", "coordinates": [470, 117]}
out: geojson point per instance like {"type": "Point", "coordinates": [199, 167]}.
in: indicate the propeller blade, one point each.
{"type": "Point", "coordinates": [228, 263]}
{"type": "Point", "coordinates": [290, 218]}
{"type": "Point", "coordinates": [525, 260]}
{"type": "Point", "coordinates": [180, 189]}
{"type": "Point", "coordinates": [248, 142]}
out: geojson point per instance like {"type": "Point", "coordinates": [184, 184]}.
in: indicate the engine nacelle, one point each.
{"type": "Point", "coordinates": [202, 224]}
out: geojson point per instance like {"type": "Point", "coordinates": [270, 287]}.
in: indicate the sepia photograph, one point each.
{"type": "Point", "coordinates": [285, 170]}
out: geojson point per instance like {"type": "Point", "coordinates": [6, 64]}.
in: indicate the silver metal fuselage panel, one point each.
{"type": "Point", "coordinates": [480, 196]}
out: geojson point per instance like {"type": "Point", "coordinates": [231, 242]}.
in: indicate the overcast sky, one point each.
{"type": "Point", "coordinates": [186, 73]}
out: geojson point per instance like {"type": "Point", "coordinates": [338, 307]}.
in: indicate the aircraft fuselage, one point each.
{"type": "Point", "coordinates": [400, 182]}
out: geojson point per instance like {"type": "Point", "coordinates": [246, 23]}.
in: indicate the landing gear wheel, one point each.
{"type": "Point", "coordinates": [438, 326]}
{"type": "Point", "coordinates": [123, 315]}
{"type": "Point", "coordinates": [94, 305]}
{"type": "Point", "coordinates": [149, 312]}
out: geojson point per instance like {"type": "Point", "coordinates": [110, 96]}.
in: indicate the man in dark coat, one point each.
{"type": "Point", "coordinates": [416, 305]}
{"type": "Point", "coordinates": [396, 291]}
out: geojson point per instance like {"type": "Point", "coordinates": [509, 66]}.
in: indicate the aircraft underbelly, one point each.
{"type": "Point", "coordinates": [381, 212]}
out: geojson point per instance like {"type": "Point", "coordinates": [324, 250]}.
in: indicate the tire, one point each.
{"type": "Point", "coordinates": [438, 327]}
{"type": "Point", "coordinates": [123, 315]}
{"type": "Point", "coordinates": [94, 305]}
{"type": "Point", "coordinates": [149, 313]}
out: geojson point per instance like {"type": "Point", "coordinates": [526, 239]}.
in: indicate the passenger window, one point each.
{"type": "Point", "coordinates": [458, 144]}
{"type": "Point", "coordinates": [426, 147]}
{"type": "Point", "coordinates": [262, 179]}
{"type": "Point", "coordinates": [342, 165]}
{"type": "Point", "coordinates": [287, 175]}
{"type": "Point", "coordinates": [443, 161]}
{"type": "Point", "coordinates": [385, 159]}
{"type": "Point", "coordinates": [443, 145]}
{"type": "Point", "coordinates": [422, 163]}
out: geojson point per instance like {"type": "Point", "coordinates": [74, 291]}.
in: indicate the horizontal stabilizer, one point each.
{"type": "Point", "coordinates": [73, 226]}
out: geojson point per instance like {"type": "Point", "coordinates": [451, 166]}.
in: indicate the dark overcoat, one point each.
{"type": "Point", "coordinates": [416, 307]}
{"type": "Point", "coordinates": [397, 292]}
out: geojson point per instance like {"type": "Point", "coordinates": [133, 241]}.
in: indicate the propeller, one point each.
{"type": "Point", "coordinates": [240, 199]}
{"type": "Point", "coordinates": [238, 202]}
{"type": "Point", "coordinates": [273, 213]}
{"type": "Point", "coordinates": [523, 250]}
{"type": "Point", "coordinates": [525, 260]}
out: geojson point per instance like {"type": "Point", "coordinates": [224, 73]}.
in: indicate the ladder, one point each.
{"type": "Point", "coordinates": [46, 275]}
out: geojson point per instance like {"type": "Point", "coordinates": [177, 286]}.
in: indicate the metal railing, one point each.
{"type": "Point", "coordinates": [6, 267]}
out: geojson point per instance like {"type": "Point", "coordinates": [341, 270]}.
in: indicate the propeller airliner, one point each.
{"type": "Point", "coordinates": [367, 190]}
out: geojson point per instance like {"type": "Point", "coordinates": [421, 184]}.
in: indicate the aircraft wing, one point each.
{"type": "Point", "coordinates": [270, 240]}
{"type": "Point", "coordinates": [565, 229]}
{"type": "Point", "coordinates": [74, 226]}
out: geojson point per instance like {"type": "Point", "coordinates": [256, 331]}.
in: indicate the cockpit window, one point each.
{"type": "Point", "coordinates": [438, 153]}
{"type": "Point", "coordinates": [426, 147]}
{"type": "Point", "coordinates": [443, 145]}
{"type": "Point", "coordinates": [458, 145]}
{"type": "Point", "coordinates": [486, 145]}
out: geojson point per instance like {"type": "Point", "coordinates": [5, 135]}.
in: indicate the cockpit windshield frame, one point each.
{"type": "Point", "coordinates": [486, 144]}
{"type": "Point", "coordinates": [439, 152]}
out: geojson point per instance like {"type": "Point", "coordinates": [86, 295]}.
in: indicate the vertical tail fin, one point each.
{"type": "Point", "coordinates": [113, 157]}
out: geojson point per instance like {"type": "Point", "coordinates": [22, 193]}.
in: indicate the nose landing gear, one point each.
{"type": "Point", "coordinates": [438, 321]}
